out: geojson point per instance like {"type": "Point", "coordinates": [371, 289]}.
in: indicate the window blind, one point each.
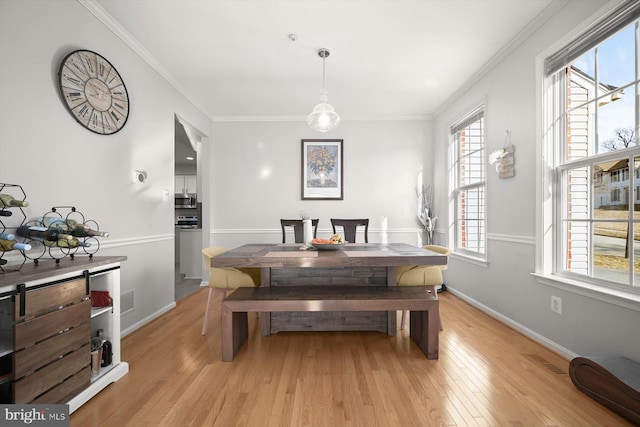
{"type": "Point", "coordinates": [624, 14]}
{"type": "Point", "coordinates": [472, 117]}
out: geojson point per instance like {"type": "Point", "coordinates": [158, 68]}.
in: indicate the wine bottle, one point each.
{"type": "Point", "coordinates": [84, 231]}
{"type": "Point", "coordinates": [71, 243]}
{"type": "Point", "coordinates": [9, 245]}
{"type": "Point", "coordinates": [7, 200]}
{"type": "Point", "coordinates": [54, 222]}
{"type": "Point", "coordinates": [42, 233]}
{"type": "Point", "coordinates": [7, 236]}
{"type": "Point", "coordinates": [74, 228]}
{"type": "Point", "coordinates": [5, 213]}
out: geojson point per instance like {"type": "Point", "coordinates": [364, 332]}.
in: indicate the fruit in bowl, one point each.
{"type": "Point", "coordinates": [334, 242]}
{"type": "Point", "coordinates": [336, 239]}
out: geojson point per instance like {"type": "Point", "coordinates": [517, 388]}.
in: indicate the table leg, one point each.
{"type": "Point", "coordinates": [425, 330]}
{"type": "Point", "coordinates": [235, 331]}
{"type": "Point", "coordinates": [265, 318]}
{"type": "Point", "coordinates": [392, 316]}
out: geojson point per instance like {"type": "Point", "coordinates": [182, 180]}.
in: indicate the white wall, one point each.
{"type": "Point", "coordinates": [59, 163]}
{"type": "Point", "coordinates": [505, 286]}
{"type": "Point", "coordinates": [256, 178]}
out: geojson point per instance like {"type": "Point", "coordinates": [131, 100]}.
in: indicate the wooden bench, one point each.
{"type": "Point", "coordinates": [424, 323]}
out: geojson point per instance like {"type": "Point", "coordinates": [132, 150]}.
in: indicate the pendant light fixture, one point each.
{"type": "Point", "coordinates": [323, 118]}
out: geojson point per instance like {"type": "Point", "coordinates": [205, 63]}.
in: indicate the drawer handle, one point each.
{"type": "Point", "coordinates": [22, 289]}
{"type": "Point", "coordinates": [87, 279]}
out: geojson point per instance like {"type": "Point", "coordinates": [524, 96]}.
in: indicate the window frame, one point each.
{"type": "Point", "coordinates": [456, 188]}
{"type": "Point", "coordinates": [549, 205]}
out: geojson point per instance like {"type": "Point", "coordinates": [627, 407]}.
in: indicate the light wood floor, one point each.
{"type": "Point", "coordinates": [487, 375]}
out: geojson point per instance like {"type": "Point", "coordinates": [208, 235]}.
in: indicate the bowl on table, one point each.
{"type": "Point", "coordinates": [328, 246]}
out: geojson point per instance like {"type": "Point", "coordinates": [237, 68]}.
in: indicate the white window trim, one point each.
{"type": "Point", "coordinates": [545, 151]}
{"type": "Point", "coordinates": [473, 257]}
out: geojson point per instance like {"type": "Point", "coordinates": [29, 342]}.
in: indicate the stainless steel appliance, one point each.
{"type": "Point", "coordinates": [187, 221]}
{"type": "Point", "coordinates": [185, 201]}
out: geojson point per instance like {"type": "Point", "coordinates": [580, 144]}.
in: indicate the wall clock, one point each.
{"type": "Point", "coordinates": [93, 92]}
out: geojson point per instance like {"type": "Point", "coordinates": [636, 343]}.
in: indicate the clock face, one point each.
{"type": "Point", "coordinates": [93, 92]}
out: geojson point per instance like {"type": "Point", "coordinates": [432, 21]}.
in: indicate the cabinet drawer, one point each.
{"type": "Point", "coordinates": [32, 358]}
{"type": "Point", "coordinates": [71, 387]}
{"type": "Point", "coordinates": [51, 297]}
{"type": "Point", "coordinates": [31, 331]}
{"type": "Point", "coordinates": [30, 387]}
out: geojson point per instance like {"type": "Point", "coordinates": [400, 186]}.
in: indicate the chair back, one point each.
{"type": "Point", "coordinates": [349, 226]}
{"type": "Point", "coordinates": [298, 229]}
{"type": "Point", "coordinates": [441, 250]}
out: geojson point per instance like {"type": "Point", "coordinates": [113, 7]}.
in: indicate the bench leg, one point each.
{"type": "Point", "coordinates": [425, 328]}
{"type": "Point", "coordinates": [235, 330]}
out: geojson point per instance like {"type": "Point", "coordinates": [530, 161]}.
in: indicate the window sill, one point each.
{"type": "Point", "coordinates": [471, 259]}
{"type": "Point", "coordinates": [629, 299]}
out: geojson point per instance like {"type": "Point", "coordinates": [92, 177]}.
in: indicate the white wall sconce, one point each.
{"type": "Point", "coordinates": [139, 177]}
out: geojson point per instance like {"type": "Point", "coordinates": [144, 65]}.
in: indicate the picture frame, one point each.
{"type": "Point", "coordinates": [322, 169]}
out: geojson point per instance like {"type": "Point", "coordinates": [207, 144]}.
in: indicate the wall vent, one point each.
{"type": "Point", "coordinates": [127, 302]}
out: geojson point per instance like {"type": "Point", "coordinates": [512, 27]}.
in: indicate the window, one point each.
{"type": "Point", "coordinates": [592, 128]}
{"type": "Point", "coordinates": [615, 195]}
{"type": "Point", "coordinates": [467, 182]}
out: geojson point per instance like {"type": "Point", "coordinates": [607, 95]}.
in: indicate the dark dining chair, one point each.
{"type": "Point", "coordinates": [298, 231]}
{"type": "Point", "coordinates": [349, 227]}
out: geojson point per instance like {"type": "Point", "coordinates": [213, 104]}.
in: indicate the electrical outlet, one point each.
{"type": "Point", "coordinates": [556, 304]}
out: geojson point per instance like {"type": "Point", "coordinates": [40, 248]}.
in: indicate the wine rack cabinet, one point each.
{"type": "Point", "coordinates": [46, 325]}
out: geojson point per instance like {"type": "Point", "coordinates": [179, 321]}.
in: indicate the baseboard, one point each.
{"type": "Point", "coordinates": [540, 339]}
{"type": "Point", "coordinates": [147, 319]}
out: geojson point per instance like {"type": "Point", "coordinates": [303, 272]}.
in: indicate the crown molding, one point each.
{"type": "Point", "coordinates": [508, 49]}
{"type": "Point", "coordinates": [103, 16]}
{"type": "Point", "coordinates": [115, 27]}
{"type": "Point", "coordinates": [346, 118]}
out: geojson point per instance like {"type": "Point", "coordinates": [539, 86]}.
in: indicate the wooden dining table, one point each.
{"type": "Point", "coordinates": [354, 264]}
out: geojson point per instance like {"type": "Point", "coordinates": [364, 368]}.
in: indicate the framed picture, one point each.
{"type": "Point", "coordinates": [322, 168]}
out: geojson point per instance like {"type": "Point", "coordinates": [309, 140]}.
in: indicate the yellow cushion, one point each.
{"type": "Point", "coordinates": [227, 277]}
{"type": "Point", "coordinates": [419, 275]}
{"type": "Point", "coordinates": [423, 275]}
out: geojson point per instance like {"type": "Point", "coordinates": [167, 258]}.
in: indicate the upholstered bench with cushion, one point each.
{"type": "Point", "coordinates": [612, 381]}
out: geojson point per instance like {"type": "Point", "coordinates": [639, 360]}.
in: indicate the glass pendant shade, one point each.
{"type": "Point", "coordinates": [323, 118]}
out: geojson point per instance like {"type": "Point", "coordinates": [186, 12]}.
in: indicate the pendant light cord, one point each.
{"type": "Point", "coordinates": [323, 58]}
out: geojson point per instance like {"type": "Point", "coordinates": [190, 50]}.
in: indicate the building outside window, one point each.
{"type": "Point", "coordinates": [592, 142]}
{"type": "Point", "coordinates": [467, 183]}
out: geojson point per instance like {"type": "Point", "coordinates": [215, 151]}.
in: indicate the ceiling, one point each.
{"type": "Point", "coordinates": [389, 59]}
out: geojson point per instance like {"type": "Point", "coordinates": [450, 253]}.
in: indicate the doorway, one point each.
{"type": "Point", "coordinates": [187, 210]}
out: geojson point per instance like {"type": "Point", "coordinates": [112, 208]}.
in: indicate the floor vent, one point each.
{"type": "Point", "coordinates": [127, 302]}
{"type": "Point", "coordinates": [536, 358]}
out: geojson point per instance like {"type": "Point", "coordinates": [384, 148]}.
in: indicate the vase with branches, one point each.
{"type": "Point", "coordinates": [425, 211]}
